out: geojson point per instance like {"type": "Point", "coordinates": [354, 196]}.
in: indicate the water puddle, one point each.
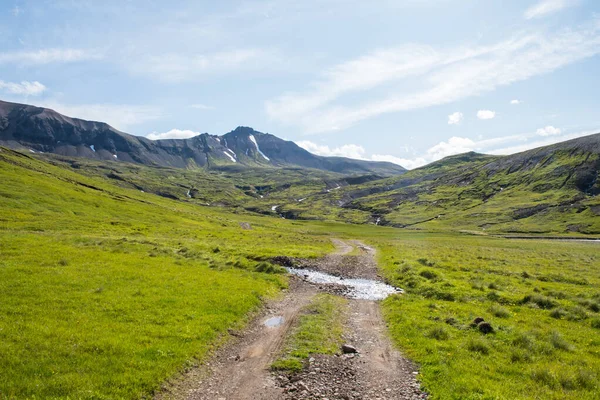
{"type": "Point", "coordinates": [365, 289]}
{"type": "Point", "coordinates": [274, 322]}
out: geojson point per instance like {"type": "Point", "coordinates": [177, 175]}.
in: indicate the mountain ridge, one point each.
{"type": "Point", "coordinates": [41, 129]}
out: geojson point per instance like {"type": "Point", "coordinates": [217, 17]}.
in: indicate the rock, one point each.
{"type": "Point", "coordinates": [284, 261]}
{"type": "Point", "coordinates": [485, 328]}
{"type": "Point", "coordinates": [245, 225]}
{"type": "Point", "coordinates": [348, 349]}
{"type": "Point", "coordinates": [478, 320]}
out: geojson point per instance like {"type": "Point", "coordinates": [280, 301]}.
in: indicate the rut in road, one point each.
{"type": "Point", "coordinates": [240, 370]}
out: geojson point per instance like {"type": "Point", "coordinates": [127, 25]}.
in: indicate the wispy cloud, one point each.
{"type": "Point", "coordinates": [179, 67]}
{"type": "Point", "coordinates": [16, 11]}
{"type": "Point", "coordinates": [173, 134]}
{"type": "Point", "coordinates": [48, 56]}
{"type": "Point", "coordinates": [441, 76]}
{"type": "Point", "coordinates": [515, 102]}
{"type": "Point", "coordinates": [486, 114]}
{"type": "Point", "coordinates": [201, 107]}
{"type": "Point", "coordinates": [455, 118]}
{"type": "Point", "coordinates": [545, 7]}
{"type": "Point", "coordinates": [120, 116]}
{"type": "Point", "coordinates": [24, 88]}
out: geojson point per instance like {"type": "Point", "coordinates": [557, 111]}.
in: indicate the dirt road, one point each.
{"type": "Point", "coordinates": [240, 370]}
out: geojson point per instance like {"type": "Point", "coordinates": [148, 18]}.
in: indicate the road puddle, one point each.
{"type": "Point", "coordinates": [274, 322]}
{"type": "Point", "coordinates": [365, 289]}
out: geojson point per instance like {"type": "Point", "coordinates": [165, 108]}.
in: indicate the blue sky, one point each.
{"type": "Point", "coordinates": [409, 81]}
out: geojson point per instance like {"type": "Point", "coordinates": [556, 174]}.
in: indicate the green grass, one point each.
{"type": "Point", "coordinates": [318, 331]}
{"type": "Point", "coordinates": [108, 292]}
{"type": "Point", "coordinates": [517, 286]}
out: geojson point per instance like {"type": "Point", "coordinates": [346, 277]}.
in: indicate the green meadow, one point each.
{"type": "Point", "coordinates": [107, 292]}
{"type": "Point", "coordinates": [542, 299]}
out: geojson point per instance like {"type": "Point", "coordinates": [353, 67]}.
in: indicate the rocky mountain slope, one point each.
{"type": "Point", "coordinates": [39, 129]}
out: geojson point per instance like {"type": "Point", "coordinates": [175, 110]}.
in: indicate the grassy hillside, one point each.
{"type": "Point", "coordinates": [106, 292]}
{"type": "Point", "coordinates": [550, 190]}
{"type": "Point", "coordinates": [544, 191]}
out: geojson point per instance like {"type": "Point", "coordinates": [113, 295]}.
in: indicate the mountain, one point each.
{"type": "Point", "coordinates": [40, 129]}
{"type": "Point", "coordinates": [549, 189]}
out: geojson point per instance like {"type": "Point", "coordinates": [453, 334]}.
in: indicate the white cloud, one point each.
{"type": "Point", "coordinates": [350, 151]}
{"type": "Point", "coordinates": [25, 88]}
{"type": "Point", "coordinates": [173, 134]}
{"type": "Point", "coordinates": [454, 145]}
{"type": "Point", "coordinates": [201, 107]}
{"type": "Point", "coordinates": [347, 150]}
{"type": "Point", "coordinates": [47, 56]}
{"type": "Point", "coordinates": [486, 114]}
{"type": "Point", "coordinates": [455, 118]}
{"type": "Point", "coordinates": [548, 131]}
{"type": "Point", "coordinates": [440, 76]}
{"type": "Point", "coordinates": [408, 163]}
{"type": "Point", "coordinates": [515, 102]}
{"type": "Point", "coordinates": [546, 7]}
{"type": "Point", "coordinates": [503, 145]}
{"type": "Point", "coordinates": [120, 116]}
{"type": "Point", "coordinates": [179, 67]}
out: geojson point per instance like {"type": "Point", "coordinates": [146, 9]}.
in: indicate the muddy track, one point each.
{"type": "Point", "coordinates": [240, 370]}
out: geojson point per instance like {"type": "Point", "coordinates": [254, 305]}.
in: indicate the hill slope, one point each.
{"type": "Point", "coordinates": [43, 130]}
{"type": "Point", "coordinates": [552, 189]}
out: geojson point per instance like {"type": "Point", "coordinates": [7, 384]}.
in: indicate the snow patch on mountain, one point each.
{"type": "Point", "coordinates": [251, 137]}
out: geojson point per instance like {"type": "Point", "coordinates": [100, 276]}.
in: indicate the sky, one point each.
{"type": "Point", "coordinates": [406, 81]}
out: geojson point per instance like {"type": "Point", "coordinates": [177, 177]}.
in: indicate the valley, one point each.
{"type": "Point", "coordinates": [125, 278]}
{"type": "Point", "coordinates": [299, 200]}
{"type": "Point", "coordinates": [110, 291]}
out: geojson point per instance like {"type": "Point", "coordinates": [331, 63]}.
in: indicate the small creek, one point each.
{"type": "Point", "coordinates": [365, 289]}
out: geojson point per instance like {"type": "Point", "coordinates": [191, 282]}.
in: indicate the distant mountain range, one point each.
{"type": "Point", "coordinates": [551, 189]}
{"type": "Point", "coordinates": [38, 129]}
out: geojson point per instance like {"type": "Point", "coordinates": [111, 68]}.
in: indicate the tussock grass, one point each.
{"type": "Point", "coordinates": [478, 345]}
{"type": "Point", "coordinates": [499, 311]}
{"type": "Point", "coordinates": [438, 333]}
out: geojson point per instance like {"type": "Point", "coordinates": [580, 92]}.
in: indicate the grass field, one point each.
{"type": "Point", "coordinates": [541, 298]}
{"type": "Point", "coordinates": [108, 291]}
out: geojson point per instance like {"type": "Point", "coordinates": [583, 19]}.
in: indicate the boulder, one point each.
{"type": "Point", "coordinates": [485, 328]}
{"type": "Point", "coordinates": [348, 349]}
{"type": "Point", "coordinates": [245, 225]}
